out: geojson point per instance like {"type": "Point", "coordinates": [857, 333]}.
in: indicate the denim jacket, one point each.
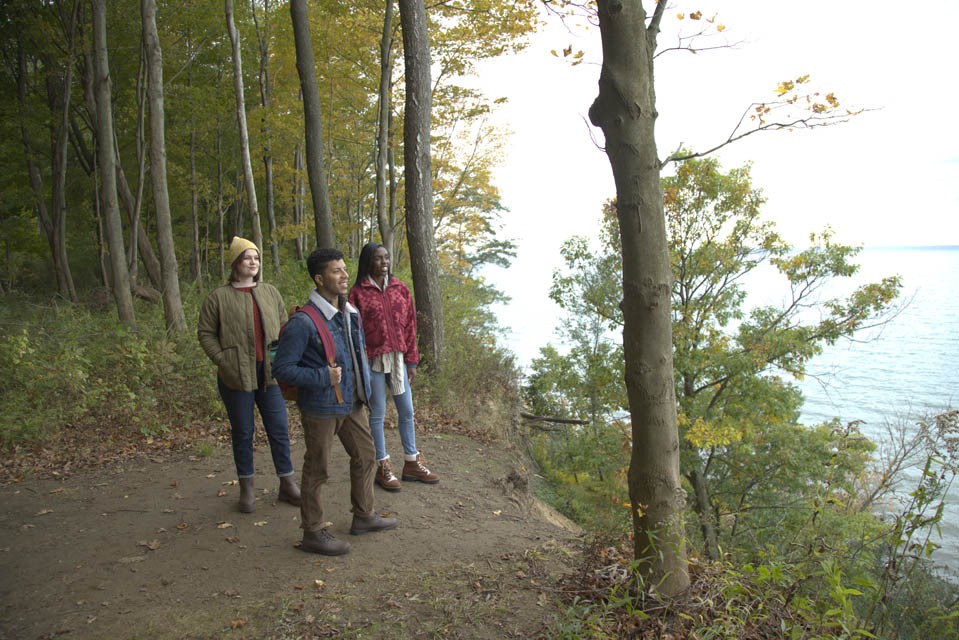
{"type": "Point", "coordinates": [300, 360]}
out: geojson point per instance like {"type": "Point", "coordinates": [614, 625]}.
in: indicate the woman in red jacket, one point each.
{"type": "Point", "coordinates": [389, 323]}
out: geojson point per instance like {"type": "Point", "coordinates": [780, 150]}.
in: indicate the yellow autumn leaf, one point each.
{"type": "Point", "coordinates": [720, 27]}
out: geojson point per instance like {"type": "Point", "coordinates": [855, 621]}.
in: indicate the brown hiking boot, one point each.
{"type": "Point", "coordinates": [370, 523]}
{"type": "Point", "coordinates": [384, 476]}
{"type": "Point", "coordinates": [246, 503]}
{"type": "Point", "coordinates": [289, 492]}
{"type": "Point", "coordinates": [324, 543]}
{"type": "Point", "coordinates": [416, 470]}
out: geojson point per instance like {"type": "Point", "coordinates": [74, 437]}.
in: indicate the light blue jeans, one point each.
{"type": "Point", "coordinates": [404, 408]}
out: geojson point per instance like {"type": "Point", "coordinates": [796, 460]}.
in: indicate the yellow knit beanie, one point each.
{"type": "Point", "coordinates": [238, 245]}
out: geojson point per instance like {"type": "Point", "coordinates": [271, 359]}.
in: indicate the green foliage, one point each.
{"type": "Point", "coordinates": [478, 373]}
{"type": "Point", "coordinates": [72, 366]}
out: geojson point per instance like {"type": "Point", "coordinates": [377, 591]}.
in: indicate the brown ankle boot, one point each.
{"type": "Point", "coordinates": [384, 476]}
{"type": "Point", "coordinates": [324, 543]}
{"type": "Point", "coordinates": [289, 492]}
{"type": "Point", "coordinates": [416, 470]}
{"type": "Point", "coordinates": [246, 496]}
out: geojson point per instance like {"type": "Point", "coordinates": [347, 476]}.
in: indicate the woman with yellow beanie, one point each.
{"type": "Point", "coordinates": [237, 321]}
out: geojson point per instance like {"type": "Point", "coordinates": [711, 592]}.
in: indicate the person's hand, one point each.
{"type": "Point", "coordinates": [336, 374]}
{"type": "Point", "coordinates": [412, 372]}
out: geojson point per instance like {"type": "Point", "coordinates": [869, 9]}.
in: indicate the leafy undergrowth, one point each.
{"type": "Point", "coordinates": [605, 599]}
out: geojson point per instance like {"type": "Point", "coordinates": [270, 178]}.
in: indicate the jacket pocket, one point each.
{"type": "Point", "coordinates": [228, 368]}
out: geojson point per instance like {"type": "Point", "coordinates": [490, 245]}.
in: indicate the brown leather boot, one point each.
{"type": "Point", "coordinates": [384, 476]}
{"type": "Point", "coordinates": [246, 504]}
{"type": "Point", "coordinates": [324, 543]}
{"type": "Point", "coordinates": [370, 523]}
{"type": "Point", "coordinates": [289, 492]}
{"type": "Point", "coordinates": [416, 470]}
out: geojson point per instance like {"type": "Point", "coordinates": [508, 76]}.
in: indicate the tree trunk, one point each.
{"type": "Point", "coordinates": [262, 37]}
{"type": "Point", "coordinates": [626, 111]}
{"type": "Point", "coordinates": [172, 305]}
{"type": "Point", "coordinates": [219, 200]}
{"type": "Point", "coordinates": [52, 221]}
{"type": "Point", "coordinates": [419, 183]}
{"type": "Point", "coordinates": [195, 253]}
{"type": "Point", "coordinates": [386, 79]}
{"type": "Point", "coordinates": [108, 177]}
{"type": "Point", "coordinates": [704, 511]}
{"type": "Point", "coordinates": [313, 118]}
{"type": "Point", "coordinates": [299, 197]}
{"type": "Point", "coordinates": [241, 120]}
{"type": "Point", "coordinates": [131, 203]}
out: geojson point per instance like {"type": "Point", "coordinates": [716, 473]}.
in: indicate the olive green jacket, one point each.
{"type": "Point", "coordinates": [225, 331]}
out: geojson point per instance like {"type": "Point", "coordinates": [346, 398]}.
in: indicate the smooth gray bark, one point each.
{"type": "Point", "coordinates": [386, 79]}
{"type": "Point", "coordinates": [626, 112]}
{"type": "Point", "coordinates": [241, 122]}
{"type": "Point", "coordinates": [113, 229]}
{"type": "Point", "coordinates": [172, 305]}
{"type": "Point", "coordinates": [419, 183]}
{"type": "Point", "coordinates": [312, 115]}
{"type": "Point", "coordinates": [262, 37]}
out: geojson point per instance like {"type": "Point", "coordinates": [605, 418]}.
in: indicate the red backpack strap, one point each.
{"type": "Point", "coordinates": [329, 346]}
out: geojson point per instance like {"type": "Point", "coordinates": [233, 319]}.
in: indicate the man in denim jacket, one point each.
{"type": "Point", "coordinates": [301, 361]}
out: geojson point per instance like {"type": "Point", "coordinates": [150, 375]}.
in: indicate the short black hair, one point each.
{"type": "Point", "coordinates": [318, 260]}
{"type": "Point", "coordinates": [366, 261]}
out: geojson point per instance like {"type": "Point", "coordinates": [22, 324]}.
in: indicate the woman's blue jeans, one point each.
{"type": "Point", "coordinates": [239, 407]}
{"type": "Point", "coordinates": [404, 409]}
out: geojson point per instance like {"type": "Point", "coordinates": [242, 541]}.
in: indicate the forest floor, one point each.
{"type": "Point", "coordinates": [151, 545]}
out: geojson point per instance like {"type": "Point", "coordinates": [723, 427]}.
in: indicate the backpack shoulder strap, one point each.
{"type": "Point", "coordinates": [329, 347]}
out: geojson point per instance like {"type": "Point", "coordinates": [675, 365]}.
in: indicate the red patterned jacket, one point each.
{"type": "Point", "coordinates": [389, 319]}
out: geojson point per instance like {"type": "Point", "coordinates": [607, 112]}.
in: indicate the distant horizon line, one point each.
{"type": "Point", "coordinates": [915, 247]}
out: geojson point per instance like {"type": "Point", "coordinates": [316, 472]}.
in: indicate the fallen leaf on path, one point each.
{"type": "Point", "coordinates": [161, 530]}
{"type": "Point", "coordinates": [182, 526]}
{"type": "Point", "coordinates": [299, 586]}
{"type": "Point", "coordinates": [319, 584]}
{"type": "Point", "coordinates": [236, 624]}
{"type": "Point", "coordinates": [224, 525]}
{"type": "Point", "coordinates": [232, 539]}
{"type": "Point", "coordinates": [57, 490]}
{"type": "Point", "coordinates": [261, 523]}
{"type": "Point", "coordinates": [26, 527]}
{"type": "Point", "coordinates": [221, 493]}
{"type": "Point", "coordinates": [153, 545]}
{"type": "Point", "coordinates": [211, 475]}
{"type": "Point", "coordinates": [497, 512]}
{"type": "Point", "coordinates": [43, 512]}
{"type": "Point", "coordinates": [132, 559]}
{"type": "Point", "coordinates": [227, 484]}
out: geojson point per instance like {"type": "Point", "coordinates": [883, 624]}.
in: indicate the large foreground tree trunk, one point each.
{"type": "Point", "coordinates": [108, 177]}
{"type": "Point", "coordinates": [419, 182]}
{"type": "Point", "coordinates": [172, 305]}
{"type": "Point", "coordinates": [626, 111]}
{"type": "Point", "coordinates": [241, 120]}
{"type": "Point", "coordinates": [323, 218]}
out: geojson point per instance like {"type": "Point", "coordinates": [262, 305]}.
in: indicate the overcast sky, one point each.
{"type": "Point", "coordinates": [889, 177]}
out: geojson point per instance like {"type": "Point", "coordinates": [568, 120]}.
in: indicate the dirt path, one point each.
{"type": "Point", "coordinates": [150, 550]}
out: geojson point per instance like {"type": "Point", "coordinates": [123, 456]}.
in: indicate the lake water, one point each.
{"type": "Point", "coordinates": [908, 369]}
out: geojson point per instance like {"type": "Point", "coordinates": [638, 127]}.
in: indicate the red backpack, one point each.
{"type": "Point", "coordinates": [329, 348]}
